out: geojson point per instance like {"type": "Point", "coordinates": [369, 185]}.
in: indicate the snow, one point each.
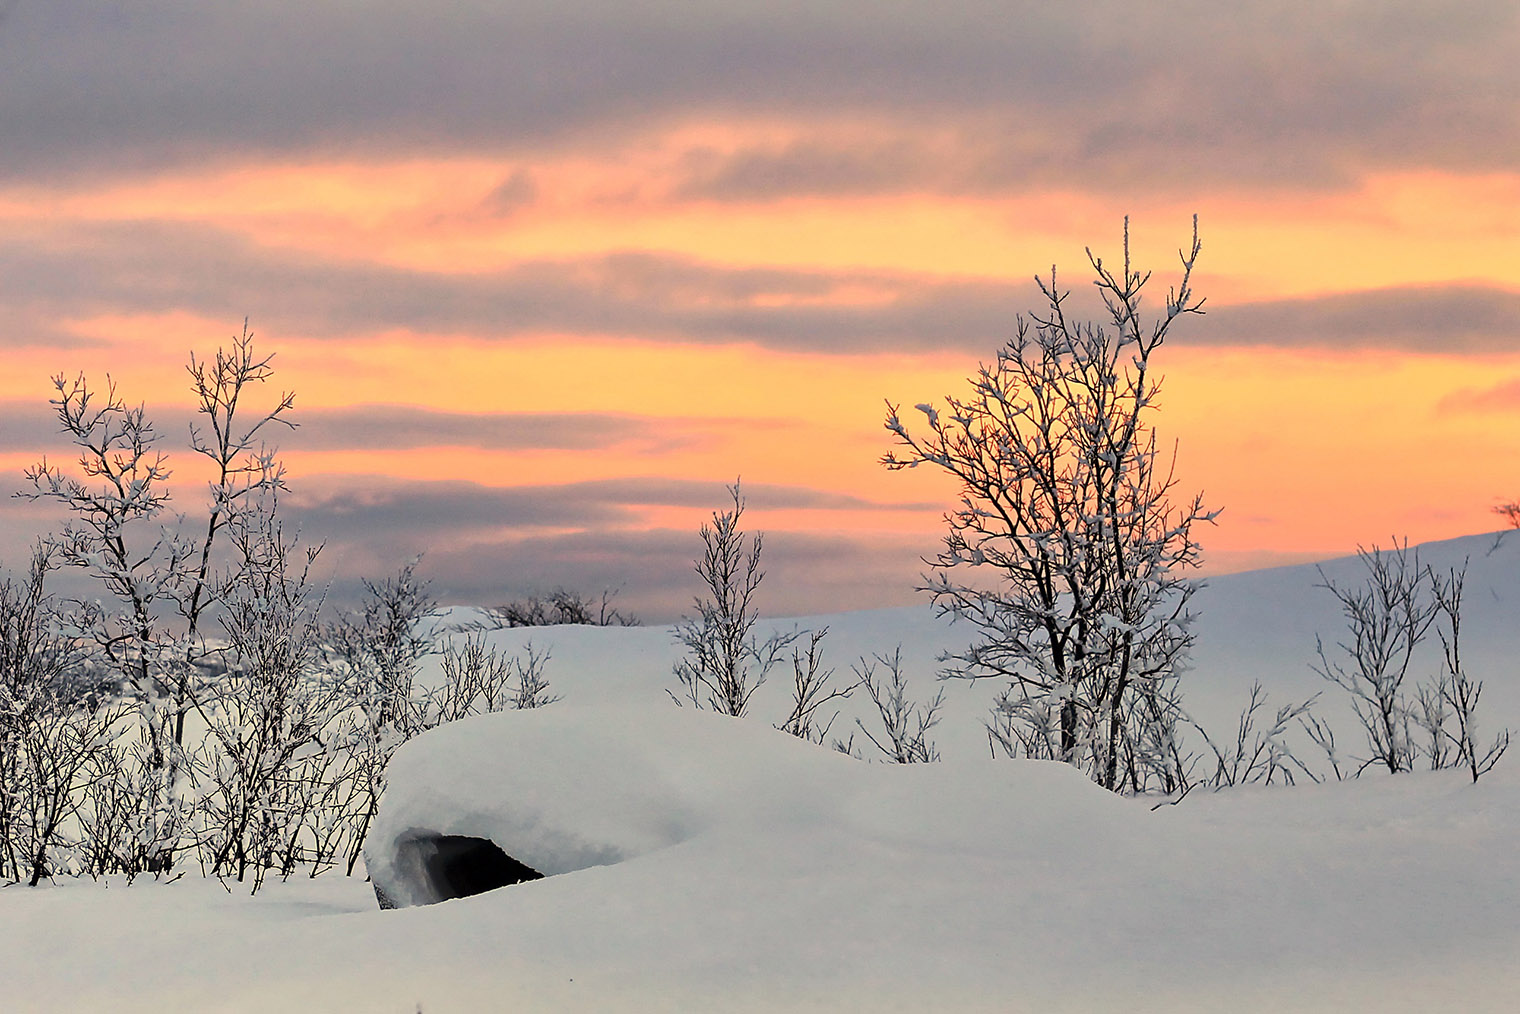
{"type": "Point", "coordinates": [566, 788]}
{"type": "Point", "coordinates": [700, 862]}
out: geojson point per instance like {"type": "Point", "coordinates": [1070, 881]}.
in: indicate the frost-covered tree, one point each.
{"type": "Point", "coordinates": [1388, 616]}
{"type": "Point", "coordinates": [725, 661]}
{"type": "Point", "coordinates": [158, 574]}
{"type": "Point", "coordinates": [1066, 552]}
{"type": "Point", "coordinates": [905, 723]}
{"type": "Point", "coordinates": [379, 652]}
{"type": "Point", "coordinates": [50, 729]}
{"type": "Point", "coordinates": [273, 706]}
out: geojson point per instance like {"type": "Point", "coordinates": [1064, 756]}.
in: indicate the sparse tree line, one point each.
{"type": "Point", "coordinates": [207, 709]}
{"type": "Point", "coordinates": [560, 606]}
{"type": "Point", "coordinates": [725, 661]}
{"type": "Point", "coordinates": [1411, 711]}
{"type": "Point", "coordinates": [1069, 558]}
{"type": "Point", "coordinates": [203, 709]}
{"type": "Point", "coordinates": [1405, 723]}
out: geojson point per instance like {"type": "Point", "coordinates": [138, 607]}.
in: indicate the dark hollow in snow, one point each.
{"type": "Point", "coordinates": [460, 866]}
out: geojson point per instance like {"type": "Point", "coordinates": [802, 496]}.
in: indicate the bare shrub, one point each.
{"type": "Point", "coordinates": [58, 742]}
{"type": "Point", "coordinates": [532, 688]}
{"type": "Point", "coordinates": [1455, 694]}
{"type": "Point", "coordinates": [1387, 618]}
{"type": "Point", "coordinates": [811, 690]}
{"type": "Point", "coordinates": [51, 727]}
{"type": "Point", "coordinates": [477, 679]}
{"type": "Point", "coordinates": [905, 723]}
{"type": "Point", "coordinates": [379, 652]}
{"type": "Point", "coordinates": [113, 811]}
{"type": "Point", "coordinates": [561, 606]}
{"type": "Point", "coordinates": [273, 706]}
{"type": "Point", "coordinates": [1261, 754]}
{"type": "Point", "coordinates": [725, 661]}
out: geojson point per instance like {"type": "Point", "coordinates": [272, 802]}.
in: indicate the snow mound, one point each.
{"type": "Point", "coordinates": [562, 789]}
{"type": "Point", "coordinates": [511, 797]}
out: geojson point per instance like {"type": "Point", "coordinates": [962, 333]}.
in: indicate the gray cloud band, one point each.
{"type": "Point", "coordinates": [484, 545]}
{"type": "Point", "coordinates": [806, 574]}
{"type": "Point", "coordinates": [1099, 90]}
{"type": "Point", "coordinates": [378, 504]}
{"type": "Point", "coordinates": [33, 426]}
{"type": "Point", "coordinates": [157, 267]}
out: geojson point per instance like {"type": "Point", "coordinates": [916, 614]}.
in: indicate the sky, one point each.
{"type": "Point", "coordinates": [546, 276]}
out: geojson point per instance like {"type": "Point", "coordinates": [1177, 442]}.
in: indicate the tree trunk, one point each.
{"type": "Point", "coordinates": [1115, 727]}
{"type": "Point", "coordinates": [1069, 732]}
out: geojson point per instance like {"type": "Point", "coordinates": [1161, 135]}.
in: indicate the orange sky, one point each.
{"type": "Point", "coordinates": [1310, 442]}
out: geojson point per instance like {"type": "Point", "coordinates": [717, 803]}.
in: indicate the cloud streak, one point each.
{"type": "Point", "coordinates": [1502, 398]}
{"type": "Point", "coordinates": [485, 545]}
{"type": "Point", "coordinates": [807, 574]}
{"type": "Point", "coordinates": [148, 268]}
{"type": "Point", "coordinates": [403, 427]}
{"type": "Point", "coordinates": [33, 427]}
{"type": "Point", "coordinates": [1093, 91]}
{"type": "Point", "coordinates": [382, 507]}
{"type": "Point", "coordinates": [1455, 319]}
{"type": "Point", "coordinates": [158, 267]}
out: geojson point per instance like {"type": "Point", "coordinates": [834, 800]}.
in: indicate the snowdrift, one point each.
{"type": "Point", "coordinates": [502, 799]}
{"type": "Point", "coordinates": [693, 862]}
{"type": "Point", "coordinates": [1259, 625]}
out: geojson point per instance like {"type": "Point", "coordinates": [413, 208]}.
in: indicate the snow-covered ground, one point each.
{"type": "Point", "coordinates": [744, 870]}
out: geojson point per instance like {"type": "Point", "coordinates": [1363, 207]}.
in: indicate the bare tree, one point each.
{"type": "Point", "coordinates": [273, 705]}
{"type": "Point", "coordinates": [1456, 694]}
{"type": "Point", "coordinates": [905, 722]}
{"type": "Point", "coordinates": [811, 690]}
{"type": "Point", "coordinates": [379, 652]}
{"type": "Point", "coordinates": [120, 531]}
{"type": "Point", "coordinates": [725, 661]}
{"type": "Point", "coordinates": [1075, 550]}
{"type": "Point", "coordinates": [1387, 618]}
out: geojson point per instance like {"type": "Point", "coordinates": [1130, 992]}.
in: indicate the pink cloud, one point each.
{"type": "Point", "coordinates": [1503, 397]}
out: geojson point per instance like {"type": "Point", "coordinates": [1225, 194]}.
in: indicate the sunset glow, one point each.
{"type": "Point", "coordinates": [733, 281]}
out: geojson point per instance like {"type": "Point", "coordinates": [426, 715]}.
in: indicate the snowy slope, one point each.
{"type": "Point", "coordinates": [794, 878]}
{"type": "Point", "coordinates": [1259, 625]}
